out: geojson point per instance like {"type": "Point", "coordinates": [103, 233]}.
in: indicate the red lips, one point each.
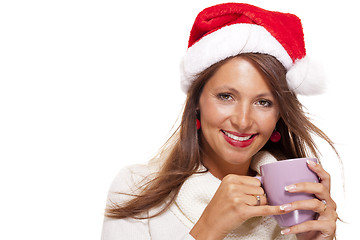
{"type": "Point", "coordinates": [238, 143]}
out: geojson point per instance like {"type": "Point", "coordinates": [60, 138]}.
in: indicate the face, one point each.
{"type": "Point", "coordinates": [238, 113]}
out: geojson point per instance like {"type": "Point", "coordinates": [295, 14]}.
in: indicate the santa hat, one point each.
{"type": "Point", "coordinates": [228, 29]}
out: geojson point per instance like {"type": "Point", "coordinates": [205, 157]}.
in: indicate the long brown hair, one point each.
{"type": "Point", "coordinates": [184, 148]}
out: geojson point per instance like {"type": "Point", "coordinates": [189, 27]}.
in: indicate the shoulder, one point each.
{"type": "Point", "coordinates": [129, 181]}
{"type": "Point", "coordinates": [130, 176]}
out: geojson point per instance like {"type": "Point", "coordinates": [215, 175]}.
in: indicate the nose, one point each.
{"type": "Point", "coordinates": [242, 117]}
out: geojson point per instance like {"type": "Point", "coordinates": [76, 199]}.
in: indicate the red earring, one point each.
{"type": "Point", "coordinates": [275, 136]}
{"type": "Point", "coordinates": [198, 124]}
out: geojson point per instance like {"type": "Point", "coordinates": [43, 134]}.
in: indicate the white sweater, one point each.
{"type": "Point", "coordinates": [176, 223]}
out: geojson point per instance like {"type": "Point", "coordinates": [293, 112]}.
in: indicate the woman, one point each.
{"type": "Point", "coordinates": [242, 72]}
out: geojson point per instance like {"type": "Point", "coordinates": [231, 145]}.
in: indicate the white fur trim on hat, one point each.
{"type": "Point", "coordinates": [306, 77]}
{"type": "Point", "coordinates": [227, 42]}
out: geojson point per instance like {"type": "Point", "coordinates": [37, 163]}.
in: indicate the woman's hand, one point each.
{"type": "Point", "coordinates": [325, 226]}
{"type": "Point", "coordinates": [234, 202]}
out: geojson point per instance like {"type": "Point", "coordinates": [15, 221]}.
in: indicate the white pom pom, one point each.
{"type": "Point", "coordinates": [306, 77]}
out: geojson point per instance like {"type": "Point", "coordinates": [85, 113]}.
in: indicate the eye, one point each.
{"type": "Point", "coordinates": [264, 103]}
{"type": "Point", "coordinates": [225, 96]}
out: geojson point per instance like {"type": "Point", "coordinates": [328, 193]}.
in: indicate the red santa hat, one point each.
{"type": "Point", "coordinates": [228, 29]}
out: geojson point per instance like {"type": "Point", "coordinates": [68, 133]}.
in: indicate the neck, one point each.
{"type": "Point", "coordinates": [220, 168]}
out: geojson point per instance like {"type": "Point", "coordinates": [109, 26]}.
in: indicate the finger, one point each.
{"type": "Point", "coordinates": [265, 210]}
{"type": "Point", "coordinates": [319, 189]}
{"type": "Point", "coordinates": [322, 174]}
{"type": "Point", "coordinates": [313, 205]}
{"type": "Point", "coordinates": [326, 228]}
{"type": "Point", "coordinates": [237, 179]}
{"type": "Point", "coordinates": [256, 200]}
{"type": "Point", "coordinates": [237, 190]}
{"type": "Point", "coordinates": [251, 190]}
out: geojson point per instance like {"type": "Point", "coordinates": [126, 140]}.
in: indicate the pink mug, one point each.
{"type": "Point", "coordinates": [277, 175]}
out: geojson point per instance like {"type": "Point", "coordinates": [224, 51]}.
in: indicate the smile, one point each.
{"type": "Point", "coordinates": [238, 140]}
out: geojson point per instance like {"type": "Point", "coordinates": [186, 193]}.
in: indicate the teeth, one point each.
{"type": "Point", "coordinates": [236, 137]}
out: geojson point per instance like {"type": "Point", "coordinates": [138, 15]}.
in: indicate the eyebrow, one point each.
{"type": "Point", "coordinates": [233, 90]}
{"type": "Point", "coordinates": [226, 88]}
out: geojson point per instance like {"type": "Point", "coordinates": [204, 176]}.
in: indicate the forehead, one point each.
{"type": "Point", "coordinates": [240, 74]}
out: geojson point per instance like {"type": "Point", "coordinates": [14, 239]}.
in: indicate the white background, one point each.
{"type": "Point", "coordinates": [87, 87]}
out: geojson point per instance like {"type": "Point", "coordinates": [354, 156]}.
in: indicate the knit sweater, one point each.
{"type": "Point", "coordinates": [176, 223]}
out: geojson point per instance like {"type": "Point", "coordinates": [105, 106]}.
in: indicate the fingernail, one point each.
{"type": "Point", "coordinates": [285, 231]}
{"type": "Point", "coordinates": [286, 207]}
{"type": "Point", "coordinates": [290, 188]}
{"type": "Point", "coordinates": [311, 163]}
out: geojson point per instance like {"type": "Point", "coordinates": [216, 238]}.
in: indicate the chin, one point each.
{"type": "Point", "coordinates": [238, 159]}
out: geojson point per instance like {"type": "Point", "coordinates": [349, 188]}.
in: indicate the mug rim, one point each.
{"type": "Point", "coordinates": [291, 160]}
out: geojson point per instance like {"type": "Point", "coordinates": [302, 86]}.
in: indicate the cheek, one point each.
{"type": "Point", "coordinates": [214, 114]}
{"type": "Point", "coordinates": [267, 122]}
